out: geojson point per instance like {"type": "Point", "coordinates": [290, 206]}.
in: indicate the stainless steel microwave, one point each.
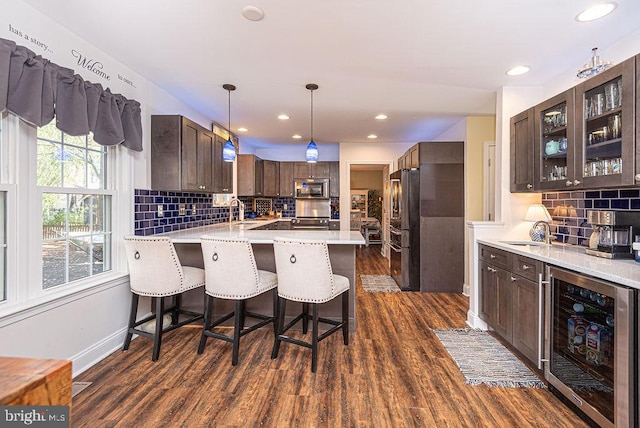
{"type": "Point", "coordinates": [311, 188]}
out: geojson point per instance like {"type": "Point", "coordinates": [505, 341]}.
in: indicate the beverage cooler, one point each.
{"type": "Point", "coordinates": [591, 348]}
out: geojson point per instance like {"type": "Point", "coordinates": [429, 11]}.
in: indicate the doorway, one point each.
{"type": "Point", "coordinates": [368, 194]}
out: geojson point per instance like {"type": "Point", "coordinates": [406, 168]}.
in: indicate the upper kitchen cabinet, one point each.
{"type": "Point", "coordinates": [286, 180]}
{"type": "Point", "coordinates": [410, 159]}
{"type": "Point", "coordinates": [334, 179]}
{"type": "Point", "coordinates": [250, 175]}
{"type": "Point", "coordinates": [555, 149]}
{"type": "Point", "coordinates": [181, 155]}
{"type": "Point", "coordinates": [271, 178]}
{"type": "Point", "coordinates": [522, 152]}
{"type": "Point", "coordinates": [311, 170]}
{"type": "Point", "coordinates": [222, 171]}
{"type": "Point", "coordinates": [605, 131]}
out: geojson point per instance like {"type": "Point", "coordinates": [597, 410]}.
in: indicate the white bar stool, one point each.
{"type": "Point", "coordinates": [232, 274]}
{"type": "Point", "coordinates": [155, 271]}
{"type": "Point", "coordinates": [305, 275]}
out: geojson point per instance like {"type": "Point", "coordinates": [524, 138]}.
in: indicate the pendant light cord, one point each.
{"type": "Point", "coordinates": [312, 115]}
{"type": "Point", "coordinates": [229, 115]}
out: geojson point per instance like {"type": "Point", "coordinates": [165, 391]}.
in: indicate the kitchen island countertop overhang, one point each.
{"type": "Point", "coordinates": [342, 254]}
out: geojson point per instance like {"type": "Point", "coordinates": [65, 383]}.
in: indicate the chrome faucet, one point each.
{"type": "Point", "coordinates": [547, 230]}
{"type": "Point", "coordinates": [240, 204]}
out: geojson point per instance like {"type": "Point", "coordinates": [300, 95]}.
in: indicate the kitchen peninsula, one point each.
{"type": "Point", "coordinates": [342, 254]}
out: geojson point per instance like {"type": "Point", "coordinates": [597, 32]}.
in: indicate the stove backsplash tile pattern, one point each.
{"type": "Point", "coordinates": [147, 219]}
{"type": "Point", "coordinates": [569, 210]}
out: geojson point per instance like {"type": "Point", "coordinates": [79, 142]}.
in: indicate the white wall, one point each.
{"type": "Point", "coordinates": [84, 326]}
{"type": "Point", "coordinates": [294, 153]}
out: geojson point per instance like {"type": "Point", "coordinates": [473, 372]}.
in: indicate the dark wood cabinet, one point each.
{"type": "Point", "coordinates": [181, 155]}
{"type": "Point", "coordinates": [334, 179]}
{"type": "Point", "coordinates": [605, 128]}
{"type": "Point", "coordinates": [584, 138]}
{"type": "Point", "coordinates": [222, 171]}
{"type": "Point", "coordinates": [510, 299]}
{"type": "Point", "coordinates": [250, 175]}
{"type": "Point", "coordinates": [555, 143]}
{"type": "Point", "coordinates": [410, 158]}
{"type": "Point", "coordinates": [522, 152]}
{"type": "Point", "coordinates": [271, 178]}
{"type": "Point", "coordinates": [286, 179]}
{"type": "Point", "coordinates": [311, 170]}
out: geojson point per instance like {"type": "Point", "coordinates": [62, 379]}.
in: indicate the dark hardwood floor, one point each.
{"type": "Point", "coordinates": [394, 373]}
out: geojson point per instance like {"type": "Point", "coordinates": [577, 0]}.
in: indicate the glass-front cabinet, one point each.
{"type": "Point", "coordinates": [554, 142]}
{"type": "Point", "coordinates": [605, 139]}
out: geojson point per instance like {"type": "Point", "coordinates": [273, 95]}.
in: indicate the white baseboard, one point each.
{"type": "Point", "coordinates": [466, 290]}
{"type": "Point", "coordinates": [475, 322]}
{"type": "Point", "coordinates": [98, 352]}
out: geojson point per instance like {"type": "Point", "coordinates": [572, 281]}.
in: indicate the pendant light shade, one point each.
{"type": "Point", "coordinates": [312, 148]}
{"type": "Point", "coordinates": [229, 149]}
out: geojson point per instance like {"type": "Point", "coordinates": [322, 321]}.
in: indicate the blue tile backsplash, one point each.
{"type": "Point", "coordinates": [148, 222]}
{"type": "Point", "coordinates": [568, 210]}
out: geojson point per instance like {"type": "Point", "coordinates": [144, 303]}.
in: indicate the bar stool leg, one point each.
{"type": "Point", "coordinates": [177, 301]}
{"type": "Point", "coordinates": [275, 311]}
{"type": "Point", "coordinates": [132, 320]}
{"type": "Point", "coordinates": [282, 305]}
{"type": "Point", "coordinates": [157, 340]}
{"type": "Point", "coordinates": [237, 327]}
{"type": "Point", "coordinates": [314, 339]}
{"type": "Point", "coordinates": [208, 303]}
{"type": "Point", "coordinates": [305, 318]}
{"type": "Point", "coordinates": [345, 317]}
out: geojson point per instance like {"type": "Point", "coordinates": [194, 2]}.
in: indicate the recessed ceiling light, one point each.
{"type": "Point", "coordinates": [297, 136]}
{"type": "Point", "coordinates": [381, 116]}
{"type": "Point", "coordinates": [596, 12]}
{"type": "Point", "coordinates": [283, 117]}
{"type": "Point", "coordinates": [252, 13]}
{"type": "Point", "coordinates": [242, 129]}
{"type": "Point", "coordinates": [518, 70]}
{"type": "Point", "coordinates": [372, 136]}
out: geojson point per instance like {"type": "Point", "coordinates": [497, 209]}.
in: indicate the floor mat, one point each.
{"type": "Point", "coordinates": [379, 284]}
{"type": "Point", "coordinates": [484, 360]}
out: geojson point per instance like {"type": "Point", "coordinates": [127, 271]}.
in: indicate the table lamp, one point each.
{"type": "Point", "coordinates": [540, 231]}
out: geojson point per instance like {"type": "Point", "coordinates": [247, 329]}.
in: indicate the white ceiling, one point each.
{"type": "Point", "coordinates": [425, 63]}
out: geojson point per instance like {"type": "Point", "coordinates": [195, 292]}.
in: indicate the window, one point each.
{"type": "Point", "coordinates": [76, 206]}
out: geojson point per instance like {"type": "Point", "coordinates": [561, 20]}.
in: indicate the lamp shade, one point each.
{"type": "Point", "coordinates": [229, 151]}
{"type": "Point", "coordinates": [312, 152]}
{"type": "Point", "coordinates": [537, 212]}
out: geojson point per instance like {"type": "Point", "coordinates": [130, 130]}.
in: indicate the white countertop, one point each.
{"type": "Point", "coordinates": [620, 271]}
{"type": "Point", "coordinates": [244, 230]}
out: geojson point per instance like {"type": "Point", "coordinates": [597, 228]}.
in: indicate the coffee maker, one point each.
{"type": "Point", "coordinates": [614, 231]}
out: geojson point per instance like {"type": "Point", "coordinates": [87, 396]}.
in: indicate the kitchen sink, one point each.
{"type": "Point", "coordinates": [525, 242]}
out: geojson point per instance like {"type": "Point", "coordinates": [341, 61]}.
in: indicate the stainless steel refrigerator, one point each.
{"type": "Point", "coordinates": [427, 221]}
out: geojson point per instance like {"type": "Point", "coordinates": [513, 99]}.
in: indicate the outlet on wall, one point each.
{"type": "Point", "coordinates": [285, 207]}
{"type": "Point", "coordinates": [193, 209]}
{"type": "Point", "coordinates": [182, 209]}
{"type": "Point", "coordinates": [160, 211]}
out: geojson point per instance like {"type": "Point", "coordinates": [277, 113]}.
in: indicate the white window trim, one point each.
{"type": "Point", "coordinates": [24, 208]}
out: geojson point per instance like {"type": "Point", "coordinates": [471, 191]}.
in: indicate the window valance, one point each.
{"type": "Point", "coordinates": [37, 90]}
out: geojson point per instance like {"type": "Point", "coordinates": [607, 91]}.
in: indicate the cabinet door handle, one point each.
{"type": "Point", "coordinates": [490, 269]}
{"type": "Point", "coordinates": [637, 177]}
{"type": "Point", "coordinates": [576, 182]}
{"type": "Point", "coordinates": [526, 267]}
{"type": "Point", "coordinates": [492, 256]}
{"type": "Point", "coordinates": [569, 183]}
{"type": "Point", "coordinates": [513, 279]}
{"type": "Point", "coordinates": [530, 186]}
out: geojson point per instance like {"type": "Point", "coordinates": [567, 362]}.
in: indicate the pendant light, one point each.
{"type": "Point", "coordinates": [312, 148]}
{"type": "Point", "coordinates": [229, 150]}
